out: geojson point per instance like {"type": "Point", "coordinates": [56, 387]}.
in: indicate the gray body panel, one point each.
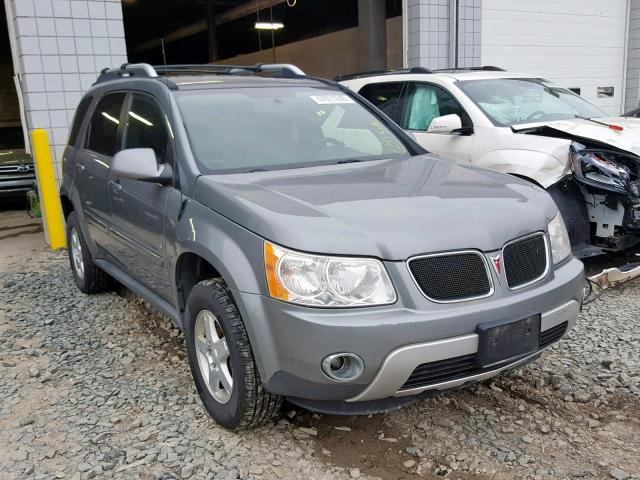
{"type": "Point", "coordinates": [391, 210]}
{"type": "Point", "coordinates": [387, 209]}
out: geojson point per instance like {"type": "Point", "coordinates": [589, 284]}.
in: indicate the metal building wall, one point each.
{"type": "Point", "coordinates": [443, 33]}
{"type": "Point", "coordinates": [632, 98]}
{"type": "Point", "coordinates": [59, 46]}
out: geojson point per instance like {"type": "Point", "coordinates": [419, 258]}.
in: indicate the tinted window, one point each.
{"type": "Point", "coordinates": [146, 127]}
{"type": "Point", "coordinates": [81, 111]}
{"type": "Point", "coordinates": [385, 96]}
{"type": "Point", "coordinates": [103, 134]}
{"type": "Point", "coordinates": [247, 129]}
{"type": "Point", "coordinates": [11, 137]}
{"type": "Point", "coordinates": [425, 102]}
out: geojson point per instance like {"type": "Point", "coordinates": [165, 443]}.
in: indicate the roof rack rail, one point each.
{"type": "Point", "coordinates": [128, 70]}
{"type": "Point", "coordinates": [484, 68]}
{"type": "Point", "coordinates": [373, 73]}
{"type": "Point", "coordinates": [211, 68]}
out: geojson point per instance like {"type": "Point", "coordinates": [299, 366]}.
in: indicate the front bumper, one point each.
{"type": "Point", "coordinates": [290, 341]}
{"type": "Point", "coordinates": [14, 187]}
{"type": "Point", "coordinates": [400, 363]}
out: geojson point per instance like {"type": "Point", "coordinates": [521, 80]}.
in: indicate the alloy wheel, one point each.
{"type": "Point", "coordinates": [214, 360]}
{"type": "Point", "coordinates": [76, 254]}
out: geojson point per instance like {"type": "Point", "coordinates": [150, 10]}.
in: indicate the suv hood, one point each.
{"type": "Point", "coordinates": [15, 156]}
{"type": "Point", "coordinates": [390, 209]}
{"type": "Point", "coordinates": [627, 140]}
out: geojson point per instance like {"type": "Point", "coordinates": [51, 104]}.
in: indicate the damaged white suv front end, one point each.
{"type": "Point", "coordinates": [530, 128]}
{"type": "Point", "coordinates": [599, 195]}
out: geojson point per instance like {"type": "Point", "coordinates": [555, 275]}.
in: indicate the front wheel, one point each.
{"type": "Point", "coordinates": [221, 359]}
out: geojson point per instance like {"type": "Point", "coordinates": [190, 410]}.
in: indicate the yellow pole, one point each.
{"type": "Point", "coordinates": [49, 199]}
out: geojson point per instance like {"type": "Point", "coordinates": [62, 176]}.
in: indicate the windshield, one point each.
{"type": "Point", "coordinates": [11, 138]}
{"type": "Point", "coordinates": [253, 129]}
{"type": "Point", "coordinates": [510, 101]}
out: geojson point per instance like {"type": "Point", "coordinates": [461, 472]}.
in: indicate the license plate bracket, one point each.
{"type": "Point", "coordinates": [499, 341]}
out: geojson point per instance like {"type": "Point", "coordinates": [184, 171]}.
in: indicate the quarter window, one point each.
{"type": "Point", "coordinates": [105, 124]}
{"type": "Point", "coordinates": [425, 102]}
{"type": "Point", "coordinates": [146, 127]}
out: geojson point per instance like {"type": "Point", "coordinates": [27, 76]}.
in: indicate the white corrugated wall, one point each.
{"type": "Point", "coordinates": [577, 43]}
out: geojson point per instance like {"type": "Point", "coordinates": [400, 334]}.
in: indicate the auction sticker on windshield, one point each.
{"type": "Point", "coordinates": [331, 99]}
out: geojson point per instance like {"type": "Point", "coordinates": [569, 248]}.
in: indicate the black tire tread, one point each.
{"type": "Point", "coordinates": [96, 280]}
{"type": "Point", "coordinates": [259, 406]}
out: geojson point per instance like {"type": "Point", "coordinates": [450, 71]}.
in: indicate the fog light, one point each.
{"type": "Point", "coordinates": [342, 367]}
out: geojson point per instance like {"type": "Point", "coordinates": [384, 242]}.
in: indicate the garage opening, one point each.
{"type": "Point", "coordinates": [323, 37]}
{"type": "Point", "coordinates": [10, 126]}
{"type": "Point", "coordinates": [16, 167]}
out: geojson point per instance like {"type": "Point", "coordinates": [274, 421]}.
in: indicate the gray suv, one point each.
{"type": "Point", "coordinates": [307, 247]}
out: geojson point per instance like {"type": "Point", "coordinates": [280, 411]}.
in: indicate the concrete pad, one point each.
{"type": "Point", "coordinates": [20, 234]}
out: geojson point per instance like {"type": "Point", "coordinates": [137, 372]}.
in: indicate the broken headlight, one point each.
{"type": "Point", "coordinates": [599, 169]}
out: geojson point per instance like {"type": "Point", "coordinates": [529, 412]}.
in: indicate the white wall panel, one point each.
{"type": "Point", "coordinates": [576, 43]}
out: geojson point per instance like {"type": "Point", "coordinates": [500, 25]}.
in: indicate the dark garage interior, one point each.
{"type": "Point", "coordinates": [343, 35]}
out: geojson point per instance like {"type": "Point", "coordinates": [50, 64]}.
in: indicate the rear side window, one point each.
{"type": "Point", "coordinates": [385, 96]}
{"type": "Point", "coordinates": [146, 127]}
{"type": "Point", "coordinates": [103, 134]}
{"type": "Point", "coordinates": [81, 111]}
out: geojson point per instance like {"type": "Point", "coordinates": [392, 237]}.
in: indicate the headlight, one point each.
{"type": "Point", "coordinates": [599, 168]}
{"type": "Point", "coordinates": [560, 244]}
{"type": "Point", "coordinates": [322, 281]}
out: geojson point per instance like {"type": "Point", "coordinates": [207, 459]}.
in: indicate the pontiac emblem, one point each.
{"type": "Point", "coordinates": [496, 263]}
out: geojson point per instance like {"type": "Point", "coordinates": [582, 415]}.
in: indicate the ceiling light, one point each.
{"type": "Point", "coordinates": [109, 117]}
{"type": "Point", "coordinates": [269, 25]}
{"type": "Point", "coordinates": [141, 119]}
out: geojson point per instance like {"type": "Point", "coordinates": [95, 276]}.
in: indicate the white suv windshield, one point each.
{"type": "Point", "coordinates": [510, 101]}
{"type": "Point", "coordinates": [252, 129]}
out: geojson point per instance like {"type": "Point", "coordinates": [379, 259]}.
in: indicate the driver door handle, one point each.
{"type": "Point", "coordinates": [80, 167]}
{"type": "Point", "coordinates": [115, 186]}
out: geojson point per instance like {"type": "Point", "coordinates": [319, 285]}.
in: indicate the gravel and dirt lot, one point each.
{"type": "Point", "coordinates": [99, 387]}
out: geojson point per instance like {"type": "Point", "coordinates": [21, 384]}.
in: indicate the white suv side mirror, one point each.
{"type": "Point", "coordinates": [445, 124]}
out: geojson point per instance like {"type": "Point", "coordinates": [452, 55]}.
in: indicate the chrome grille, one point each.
{"type": "Point", "coordinates": [525, 260]}
{"type": "Point", "coordinates": [16, 170]}
{"type": "Point", "coordinates": [452, 277]}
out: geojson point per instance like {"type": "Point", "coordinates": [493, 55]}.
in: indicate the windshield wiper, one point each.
{"type": "Point", "coordinates": [617, 128]}
{"type": "Point", "coordinates": [348, 160]}
{"type": "Point", "coordinates": [255, 170]}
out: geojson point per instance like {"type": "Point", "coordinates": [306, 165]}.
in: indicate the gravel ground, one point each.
{"type": "Point", "coordinates": [98, 386]}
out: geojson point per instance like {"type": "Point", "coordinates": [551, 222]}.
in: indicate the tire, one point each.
{"type": "Point", "coordinates": [88, 277]}
{"type": "Point", "coordinates": [227, 359]}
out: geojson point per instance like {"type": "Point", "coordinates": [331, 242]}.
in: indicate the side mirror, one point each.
{"type": "Point", "coordinates": [445, 124]}
{"type": "Point", "coordinates": [140, 164]}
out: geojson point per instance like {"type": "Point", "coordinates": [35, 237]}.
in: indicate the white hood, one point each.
{"type": "Point", "coordinates": [628, 139]}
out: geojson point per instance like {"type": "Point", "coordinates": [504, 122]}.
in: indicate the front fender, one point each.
{"type": "Point", "coordinates": [235, 252]}
{"type": "Point", "coordinates": [238, 256]}
{"type": "Point", "coordinates": [545, 168]}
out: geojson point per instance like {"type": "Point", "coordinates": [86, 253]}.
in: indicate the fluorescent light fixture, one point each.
{"type": "Point", "coordinates": [140, 119]}
{"type": "Point", "coordinates": [109, 117]}
{"type": "Point", "coordinates": [269, 25]}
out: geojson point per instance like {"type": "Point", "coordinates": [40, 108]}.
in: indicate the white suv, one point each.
{"type": "Point", "coordinates": [525, 126]}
